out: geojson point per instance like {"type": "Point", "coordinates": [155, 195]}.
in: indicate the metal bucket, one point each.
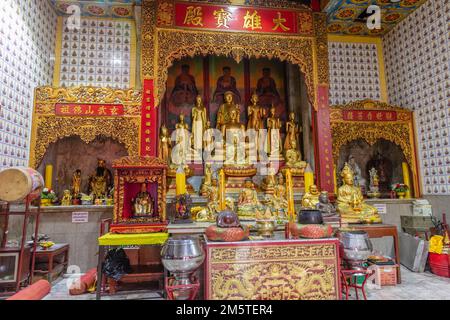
{"type": "Point", "coordinates": [355, 248]}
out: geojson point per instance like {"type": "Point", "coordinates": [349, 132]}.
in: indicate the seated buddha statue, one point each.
{"type": "Point", "coordinates": [224, 114]}
{"type": "Point", "coordinates": [294, 158]}
{"type": "Point", "coordinates": [277, 202]}
{"type": "Point", "coordinates": [143, 203]}
{"type": "Point", "coordinates": [350, 202]}
{"type": "Point", "coordinates": [248, 203]}
{"type": "Point", "coordinates": [311, 198]}
{"type": "Point", "coordinates": [325, 206]}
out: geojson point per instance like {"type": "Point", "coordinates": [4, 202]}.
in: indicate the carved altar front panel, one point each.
{"type": "Point", "coordinates": [273, 270]}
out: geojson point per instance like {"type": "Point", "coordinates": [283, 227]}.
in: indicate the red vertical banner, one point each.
{"type": "Point", "coordinates": [149, 121]}
{"type": "Point", "coordinates": [323, 143]}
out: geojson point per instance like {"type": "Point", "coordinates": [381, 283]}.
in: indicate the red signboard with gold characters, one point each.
{"type": "Point", "coordinates": [89, 110]}
{"type": "Point", "coordinates": [369, 115]}
{"type": "Point", "coordinates": [235, 18]}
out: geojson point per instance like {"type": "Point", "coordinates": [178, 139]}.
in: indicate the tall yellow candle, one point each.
{"type": "Point", "coordinates": [222, 204]}
{"type": "Point", "coordinates": [309, 178]}
{"type": "Point", "coordinates": [335, 180]}
{"type": "Point", "coordinates": [406, 179]}
{"type": "Point", "coordinates": [181, 181]}
{"type": "Point", "coordinates": [48, 176]}
{"type": "Point", "coordinates": [290, 195]}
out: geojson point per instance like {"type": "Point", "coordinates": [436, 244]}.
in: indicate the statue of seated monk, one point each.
{"type": "Point", "coordinates": [311, 198]}
{"type": "Point", "coordinates": [350, 202]}
{"type": "Point", "coordinates": [248, 204]}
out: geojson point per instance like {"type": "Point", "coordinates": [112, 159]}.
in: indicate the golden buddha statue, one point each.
{"type": "Point", "coordinates": [350, 202]}
{"type": "Point", "coordinates": [311, 198]}
{"type": "Point", "coordinates": [269, 182]}
{"type": "Point", "coordinates": [255, 113]}
{"type": "Point", "coordinates": [292, 133]}
{"type": "Point", "coordinates": [76, 184]}
{"type": "Point", "coordinates": [207, 180]}
{"type": "Point", "coordinates": [223, 116]}
{"type": "Point", "coordinates": [165, 147]}
{"type": "Point", "coordinates": [66, 199]}
{"type": "Point", "coordinates": [248, 203]}
{"type": "Point", "coordinates": [294, 158]}
{"type": "Point", "coordinates": [277, 201]}
{"type": "Point", "coordinates": [143, 203]}
{"type": "Point", "coordinates": [273, 134]}
{"type": "Point", "coordinates": [198, 122]}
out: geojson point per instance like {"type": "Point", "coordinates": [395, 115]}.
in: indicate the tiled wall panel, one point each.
{"type": "Point", "coordinates": [96, 54]}
{"type": "Point", "coordinates": [417, 58]}
{"type": "Point", "coordinates": [27, 46]}
{"type": "Point", "coordinates": [354, 72]}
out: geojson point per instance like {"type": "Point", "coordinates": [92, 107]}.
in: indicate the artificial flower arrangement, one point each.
{"type": "Point", "coordinates": [400, 187]}
{"type": "Point", "coordinates": [48, 197]}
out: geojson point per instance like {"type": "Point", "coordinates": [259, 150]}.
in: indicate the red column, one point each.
{"type": "Point", "coordinates": [149, 121]}
{"type": "Point", "coordinates": [324, 163]}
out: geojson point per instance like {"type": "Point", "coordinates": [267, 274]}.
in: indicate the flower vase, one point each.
{"type": "Point", "coordinates": [401, 194]}
{"type": "Point", "coordinates": [46, 202]}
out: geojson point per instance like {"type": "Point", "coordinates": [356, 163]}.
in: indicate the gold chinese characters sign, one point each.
{"type": "Point", "coordinates": [371, 121]}
{"type": "Point", "coordinates": [276, 270]}
{"type": "Point", "coordinates": [86, 112]}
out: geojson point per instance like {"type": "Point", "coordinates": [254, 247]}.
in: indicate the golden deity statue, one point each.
{"type": "Point", "coordinates": [100, 181]}
{"type": "Point", "coordinates": [76, 183]}
{"type": "Point", "coordinates": [237, 132]}
{"type": "Point", "coordinates": [294, 158]}
{"type": "Point", "coordinates": [198, 122]}
{"type": "Point", "coordinates": [292, 133]}
{"type": "Point", "coordinates": [165, 147]}
{"type": "Point", "coordinates": [248, 203]}
{"type": "Point", "coordinates": [255, 113]}
{"type": "Point", "coordinates": [66, 199]}
{"type": "Point", "coordinates": [277, 202]}
{"type": "Point", "coordinates": [311, 198]}
{"type": "Point", "coordinates": [182, 129]}
{"type": "Point", "coordinates": [206, 180]}
{"type": "Point", "coordinates": [273, 134]}
{"type": "Point", "coordinates": [350, 202]}
{"type": "Point", "coordinates": [223, 116]}
{"type": "Point", "coordinates": [269, 182]}
{"type": "Point", "coordinates": [143, 203]}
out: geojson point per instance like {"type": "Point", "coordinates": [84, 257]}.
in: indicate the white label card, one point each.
{"type": "Point", "coordinates": [381, 207]}
{"type": "Point", "coordinates": [80, 217]}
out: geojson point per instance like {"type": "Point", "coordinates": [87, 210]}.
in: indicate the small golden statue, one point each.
{"type": "Point", "coordinates": [292, 133]}
{"type": "Point", "coordinates": [248, 204]}
{"type": "Point", "coordinates": [294, 158]}
{"type": "Point", "coordinates": [207, 180]}
{"type": "Point", "coordinates": [311, 199]}
{"type": "Point", "coordinates": [209, 213]}
{"type": "Point", "coordinates": [143, 203]}
{"type": "Point", "coordinates": [273, 134]}
{"type": "Point", "coordinates": [66, 199]}
{"type": "Point", "coordinates": [100, 181]}
{"type": "Point", "coordinates": [350, 202]}
{"type": "Point", "coordinates": [223, 116]}
{"type": "Point", "coordinates": [255, 114]}
{"type": "Point", "coordinates": [269, 182]}
{"type": "Point", "coordinates": [198, 122]}
{"type": "Point", "coordinates": [277, 202]}
{"type": "Point", "coordinates": [76, 184]}
{"type": "Point", "coordinates": [165, 146]}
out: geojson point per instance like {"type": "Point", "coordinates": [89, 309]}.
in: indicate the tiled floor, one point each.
{"type": "Point", "coordinates": [414, 286]}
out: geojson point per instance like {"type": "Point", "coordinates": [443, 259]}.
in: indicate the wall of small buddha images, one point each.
{"type": "Point", "coordinates": [99, 53]}
{"type": "Point", "coordinates": [354, 72]}
{"type": "Point", "coordinates": [417, 55]}
{"type": "Point", "coordinates": [27, 46]}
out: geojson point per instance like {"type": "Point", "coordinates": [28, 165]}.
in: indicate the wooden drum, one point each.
{"type": "Point", "coordinates": [17, 183]}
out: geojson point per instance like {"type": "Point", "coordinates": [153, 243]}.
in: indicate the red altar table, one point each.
{"type": "Point", "coordinates": [275, 269]}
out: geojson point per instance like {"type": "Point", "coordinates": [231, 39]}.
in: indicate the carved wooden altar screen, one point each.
{"type": "Point", "coordinates": [371, 121]}
{"type": "Point", "coordinates": [86, 112]}
{"type": "Point", "coordinates": [172, 30]}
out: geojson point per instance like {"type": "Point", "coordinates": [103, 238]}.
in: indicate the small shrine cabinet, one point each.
{"type": "Point", "coordinates": [130, 173]}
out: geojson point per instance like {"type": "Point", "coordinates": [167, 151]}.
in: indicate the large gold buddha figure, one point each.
{"type": "Point", "coordinates": [350, 202]}
{"type": "Point", "coordinates": [223, 116]}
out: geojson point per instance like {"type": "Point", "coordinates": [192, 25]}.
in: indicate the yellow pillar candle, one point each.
{"type": "Point", "coordinates": [406, 179]}
{"type": "Point", "coordinates": [181, 181]}
{"type": "Point", "coordinates": [335, 180]}
{"type": "Point", "coordinates": [309, 178]}
{"type": "Point", "coordinates": [48, 176]}
{"type": "Point", "coordinates": [222, 204]}
{"type": "Point", "coordinates": [290, 195]}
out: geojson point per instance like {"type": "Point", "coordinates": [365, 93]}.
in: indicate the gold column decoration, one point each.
{"type": "Point", "coordinates": [321, 48]}
{"type": "Point", "coordinates": [406, 179]}
{"type": "Point", "coordinates": [149, 11]}
{"type": "Point", "coordinates": [222, 190]}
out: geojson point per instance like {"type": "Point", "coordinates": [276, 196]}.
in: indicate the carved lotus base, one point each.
{"type": "Point", "coordinates": [296, 171]}
{"type": "Point", "coordinates": [246, 171]}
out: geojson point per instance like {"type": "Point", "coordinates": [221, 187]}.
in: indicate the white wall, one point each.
{"type": "Point", "coordinates": [27, 46]}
